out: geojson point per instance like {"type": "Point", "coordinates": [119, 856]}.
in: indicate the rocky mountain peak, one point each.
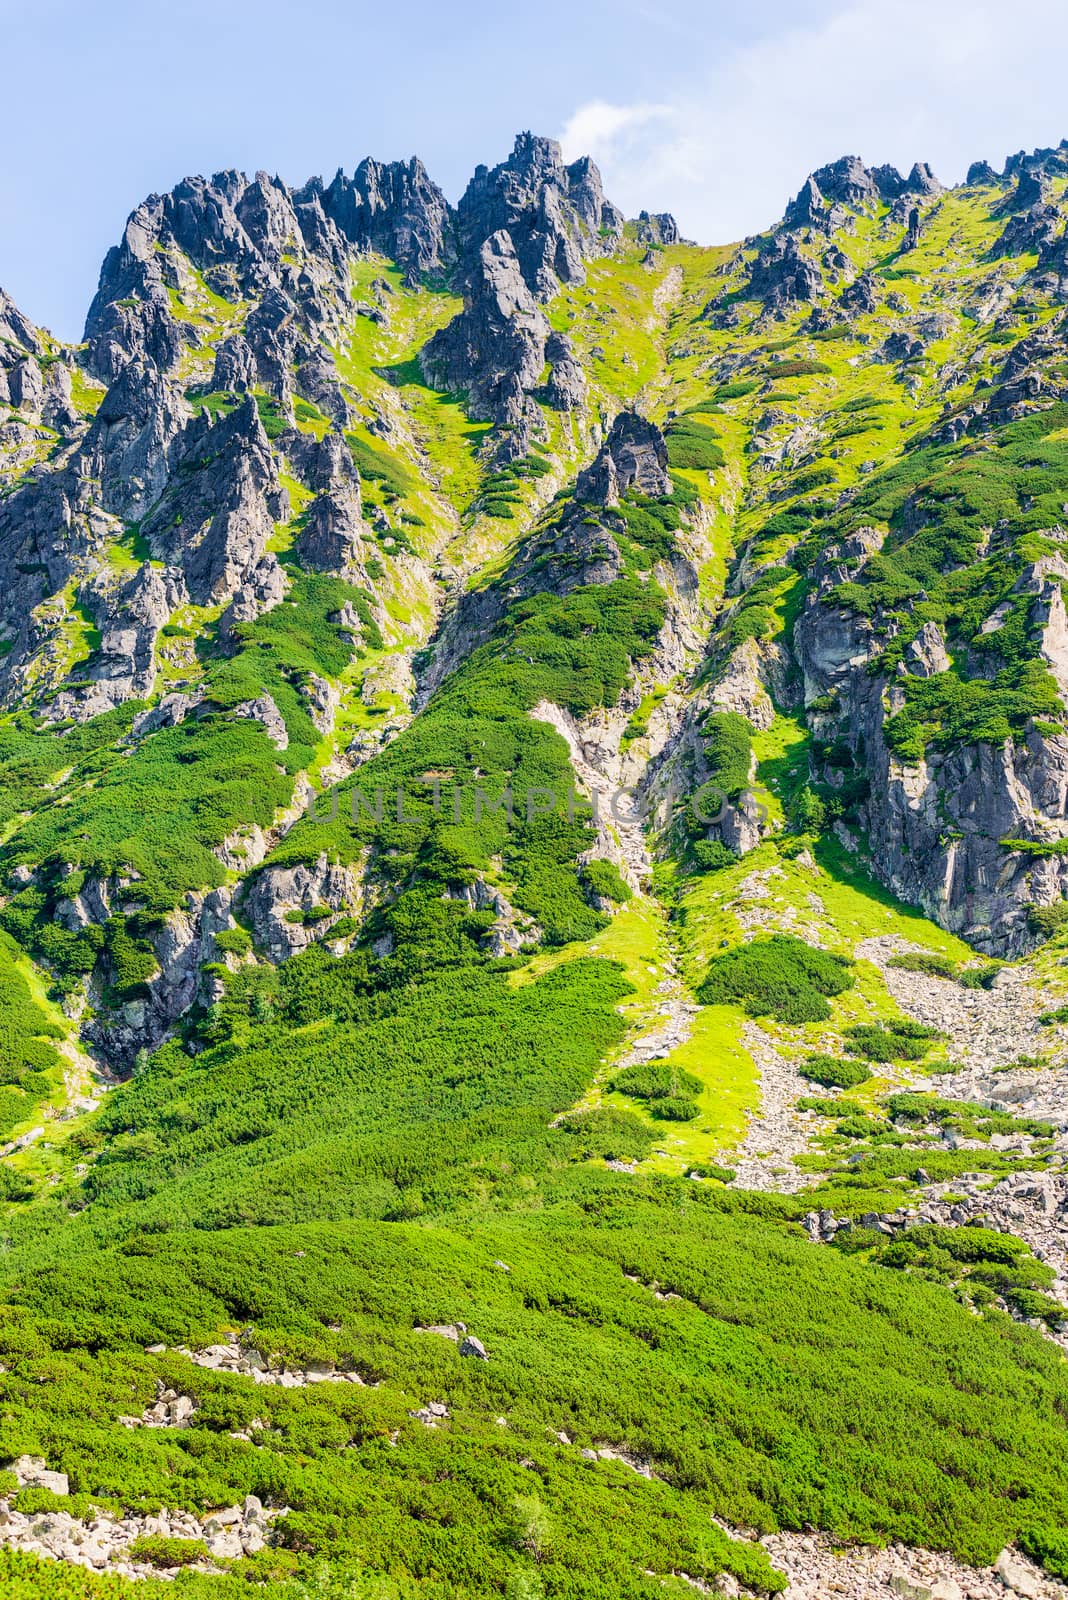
{"type": "Point", "coordinates": [396, 208]}
{"type": "Point", "coordinates": [17, 330]}
{"type": "Point", "coordinates": [554, 213]}
{"type": "Point", "coordinates": [847, 182]}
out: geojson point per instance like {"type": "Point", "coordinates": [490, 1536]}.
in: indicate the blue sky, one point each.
{"type": "Point", "coordinates": [716, 111]}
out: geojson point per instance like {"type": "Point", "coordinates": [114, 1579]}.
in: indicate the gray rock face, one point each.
{"type": "Point", "coordinates": [130, 317]}
{"type": "Point", "coordinates": [524, 228]}
{"type": "Point", "coordinates": [807, 209]}
{"type": "Point", "coordinates": [278, 899]}
{"type": "Point", "coordinates": [934, 825]}
{"type": "Point", "coordinates": [657, 227]}
{"type": "Point", "coordinates": [927, 654]}
{"type": "Point", "coordinates": [1036, 228]}
{"type": "Point", "coordinates": [553, 213]}
{"type": "Point", "coordinates": [33, 1473]}
{"type": "Point", "coordinates": [264, 587]}
{"type": "Point", "coordinates": [851, 183]}
{"type": "Point", "coordinates": [1031, 189]}
{"type": "Point", "coordinates": [566, 389]}
{"type": "Point", "coordinates": [247, 238]}
{"type": "Point", "coordinates": [921, 180]}
{"type": "Point", "coordinates": [317, 380]}
{"type": "Point", "coordinates": [182, 944]}
{"type": "Point", "coordinates": [981, 172]}
{"type": "Point", "coordinates": [37, 391]}
{"type": "Point", "coordinates": [17, 330]}
{"type": "Point", "coordinates": [129, 618]}
{"type": "Point", "coordinates": [221, 507]}
{"type": "Point", "coordinates": [272, 333]}
{"type": "Point", "coordinates": [264, 710]}
{"type": "Point", "coordinates": [394, 208]}
{"type": "Point", "coordinates": [848, 182]}
{"type": "Point", "coordinates": [742, 683]}
{"type": "Point", "coordinates": [334, 537]}
{"type": "Point", "coordinates": [511, 931]}
{"type": "Point", "coordinates": [634, 455]}
{"type": "Point", "coordinates": [235, 366]}
{"type": "Point", "coordinates": [782, 275]}
{"type": "Point", "coordinates": [171, 712]}
{"type": "Point", "coordinates": [129, 443]}
{"type": "Point", "coordinates": [495, 348]}
{"type": "Point", "coordinates": [859, 297]}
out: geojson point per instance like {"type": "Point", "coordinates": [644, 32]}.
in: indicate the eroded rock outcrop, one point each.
{"type": "Point", "coordinates": [216, 518]}
{"type": "Point", "coordinates": [935, 824]}
{"type": "Point", "coordinates": [634, 455]}
{"type": "Point", "coordinates": [290, 907]}
{"type": "Point", "coordinates": [783, 275]}
{"type": "Point", "coordinates": [129, 618]}
{"type": "Point", "coordinates": [495, 348]}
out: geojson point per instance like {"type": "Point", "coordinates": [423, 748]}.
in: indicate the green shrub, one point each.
{"type": "Point", "coordinates": [1048, 921]}
{"type": "Point", "coordinates": [927, 961]}
{"type": "Point", "coordinates": [800, 368]}
{"type": "Point", "coordinates": [736, 390]}
{"type": "Point", "coordinates": [825, 1106]}
{"type": "Point", "coordinates": [674, 1108]}
{"type": "Point", "coordinates": [975, 1121]}
{"type": "Point", "coordinates": [814, 478]}
{"type": "Point", "coordinates": [693, 445]}
{"type": "Point", "coordinates": [160, 1551]}
{"type": "Point", "coordinates": [271, 415]}
{"type": "Point", "coordinates": [605, 879]}
{"type": "Point", "coordinates": [979, 977]}
{"type": "Point", "coordinates": [780, 976]}
{"type": "Point", "coordinates": [892, 1041]}
{"type": "Point", "coordinates": [613, 1135]}
{"type": "Point", "coordinates": [374, 464]}
{"type": "Point", "coordinates": [655, 1080]}
{"type": "Point", "coordinates": [712, 854]}
{"type": "Point", "coordinates": [833, 1072]}
{"type": "Point", "coordinates": [728, 751]}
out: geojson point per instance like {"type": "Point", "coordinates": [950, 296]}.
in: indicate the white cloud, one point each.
{"type": "Point", "coordinates": [945, 81]}
{"type": "Point", "coordinates": [607, 128]}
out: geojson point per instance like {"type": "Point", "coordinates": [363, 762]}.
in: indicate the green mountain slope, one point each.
{"type": "Point", "coordinates": [533, 851]}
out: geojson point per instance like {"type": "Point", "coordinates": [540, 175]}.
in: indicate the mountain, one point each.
{"type": "Point", "coordinates": [533, 866]}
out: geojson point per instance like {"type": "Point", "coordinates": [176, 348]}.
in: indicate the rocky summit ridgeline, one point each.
{"type": "Point", "coordinates": [533, 916]}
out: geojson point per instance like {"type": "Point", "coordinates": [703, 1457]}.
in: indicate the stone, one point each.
{"type": "Point", "coordinates": [1017, 1576]}
{"type": "Point", "coordinates": [556, 214]}
{"type": "Point", "coordinates": [221, 508]}
{"type": "Point", "coordinates": [495, 348]}
{"type": "Point", "coordinates": [33, 1472]}
{"type": "Point", "coordinates": [129, 619]}
{"type": "Point", "coordinates": [264, 710]}
{"type": "Point", "coordinates": [904, 1586]}
{"type": "Point", "coordinates": [277, 891]}
{"type": "Point", "coordinates": [474, 1347]}
{"type": "Point", "coordinates": [566, 388]}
